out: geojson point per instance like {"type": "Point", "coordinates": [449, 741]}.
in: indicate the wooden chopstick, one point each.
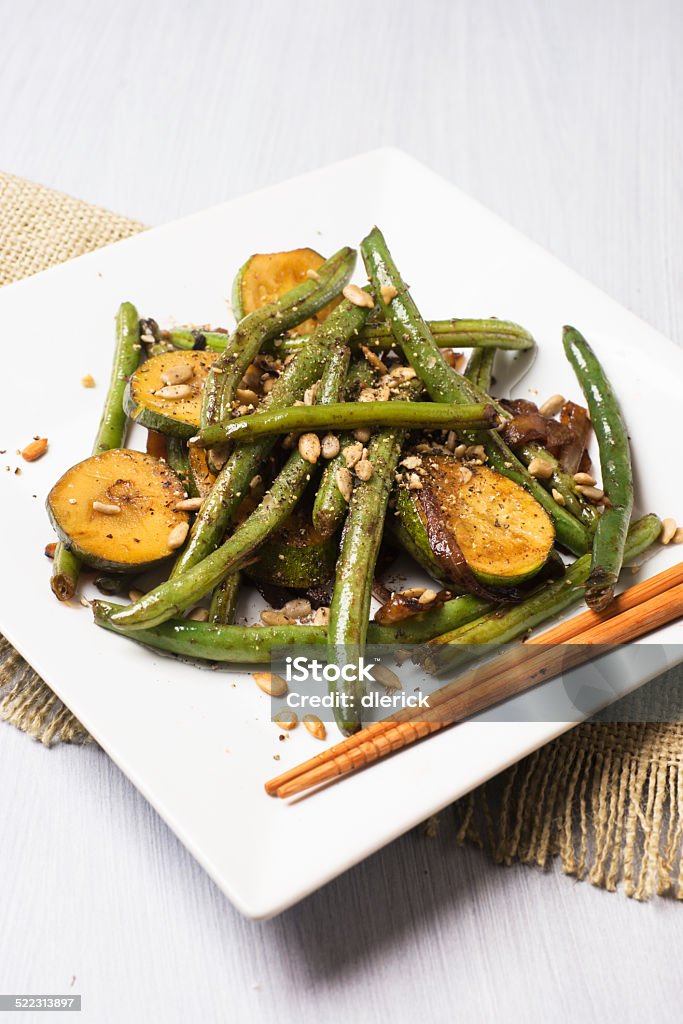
{"type": "Point", "coordinates": [639, 610]}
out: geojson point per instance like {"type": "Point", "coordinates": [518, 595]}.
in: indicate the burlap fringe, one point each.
{"type": "Point", "coordinates": [27, 703]}
{"type": "Point", "coordinates": [607, 799]}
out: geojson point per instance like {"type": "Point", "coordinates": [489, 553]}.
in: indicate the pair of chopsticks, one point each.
{"type": "Point", "coordinates": [639, 610]}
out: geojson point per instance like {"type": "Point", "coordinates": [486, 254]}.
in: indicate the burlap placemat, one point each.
{"type": "Point", "coordinates": [607, 799]}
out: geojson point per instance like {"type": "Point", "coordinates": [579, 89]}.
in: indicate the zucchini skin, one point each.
{"type": "Point", "coordinates": [445, 385]}
{"type": "Point", "coordinates": [215, 641]}
{"type": "Point", "coordinates": [455, 648]}
{"type": "Point", "coordinates": [266, 324]}
{"type": "Point", "coordinates": [615, 464]}
{"type": "Point", "coordinates": [350, 416]}
{"type": "Point", "coordinates": [111, 433]}
{"type": "Point", "coordinates": [233, 480]}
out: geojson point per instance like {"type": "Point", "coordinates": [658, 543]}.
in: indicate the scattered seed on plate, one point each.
{"type": "Point", "coordinates": [35, 450]}
{"type": "Point", "coordinates": [584, 478]}
{"type": "Point", "coordinates": [174, 392]}
{"type": "Point", "coordinates": [363, 469]}
{"type": "Point", "coordinates": [386, 678]}
{"type": "Point", "coordinates": [411, 461]}
{"type": "Point", "coordinates": [271, 683]}
{"type": "Point", "coordinates": [559, 498]}
{"type": "Point", "coordinates": [678, 536]}
{"type": "Point", "coordinates": [552, 405]}
{"type": "Point", "coordinates": [357, 296]}
{"type": "Point", "coordinates": [362, 434]}
{"type": "Point", "coordinates": [388, 292]}
{"type": "Point", "coordinates": [178, 374]}
{"type": "Point", "coordinates": [135, 595]}
{"type": "Point", "coordinates": [106, 509]}
{"type": "Point", "coordinates": [88, 381]}
{"type": "Point", "coordinates": [315, 726]}
{"type": "Point", "coordinates": [414, 482]}
{"type": "Point", "coordinates": [189, 505]}
{"type": "Point", "coordinates": [403, 373]}
{"type": "Point", "coordinates": [669, 530]}
{"type": "Point", "coordinates": [460, 450]}
{"type": "Point", "coordinates": [177, 536]}
{"type": "Point", "coordinates": [309, 448]}
{"type": "Point", "coordinates": [286, 719]}
{"type": "Point", "coordinates": [199, 615]}
{"type": "Point", "coordinates": [312, 274]}
{"type": "Point", "coordinates": [427, 596]}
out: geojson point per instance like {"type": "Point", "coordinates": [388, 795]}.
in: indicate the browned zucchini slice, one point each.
{"type": "Point", "coordinates": [471, 516]}
{"type": "Point", "coordinates": [171, 408]}
{"type": "Point", "coordinates": [267, 276]}
{"type": "Point", "coordinates": [82, 507]}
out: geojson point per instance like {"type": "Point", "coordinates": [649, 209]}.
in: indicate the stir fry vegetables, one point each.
{"type": "Point", "coordinates": [332, 427]}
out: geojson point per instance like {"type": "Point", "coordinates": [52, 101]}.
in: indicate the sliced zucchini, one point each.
{"type": "Point", "coordinates": [201, 477]}
{"type": "Point", "coordinates": [296, 556]}
{"type": "Point", "coordinates": [267, 276]}
{"type": "Point", "coordinates": [116, 510]}
{"type": "Point", "coordinates": [171, 408]}
{"type": "Point", "coordinates": [469, 519]}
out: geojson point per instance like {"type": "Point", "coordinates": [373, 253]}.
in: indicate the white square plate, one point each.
{"type": "Point", "coordinates": [198, 746]}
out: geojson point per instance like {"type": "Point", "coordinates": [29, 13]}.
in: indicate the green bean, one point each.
{"type": "Point", "coordinates": [447, 334]}
{"type": "Point", "coordinates": [110, 434]}
{"type": "Point", "coordinates": [265, 324]}
{"type": "Point", "coordinates": [479, 367]}
{"type": "Point", "coordinates": [216, 641]}
{"type": "Point", "coordinates": [112, 429]}
{"type": "Point", "coordinates": [233, 480]}
{"type": "Point", "coordinates": [224, 600]}
{"type": "Point", "coordinates": [503, 626]}
{"type": "Point", "coordinates": [330, 505]}
{"type": "Point", "coordinates": [347, 416]}
{"type": "Point", "coordinates": [445, 385]}
{"type": "Point", "coordinates": [615, 465]}
{"type": "Point", "coordinates": [183, 590]}
{"type": "Point", "coordinates": [350, 605]}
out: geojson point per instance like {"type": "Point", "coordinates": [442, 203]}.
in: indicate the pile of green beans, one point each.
{"type": "Point", "coordinates": [339, 358]}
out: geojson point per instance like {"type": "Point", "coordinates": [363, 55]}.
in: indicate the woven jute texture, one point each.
{"type": "Point", "coordinates": [605, 798]}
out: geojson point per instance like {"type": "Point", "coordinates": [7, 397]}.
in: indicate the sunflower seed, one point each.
{"type": "Point", "coordinates": [344, 483]}
{"type": "Point", "coordinates": [176, 537]}
{"type": "Point", "coordinates": [271, 683]}
{"type": "Point", "coordinates": [357, 296]}
{"type": "Point", "coordinates": [329, 446]}
{"type": "Point", "coordinates": [286, 719]}
{"type": "Point", "coordinates": [388, 292]}
{"type": "Point", "coordinates": [105, 509]}
{"type": "Point", "coordinates": [315, 726]}
{"type": "Point", "coordinates": [552, 405]}
{"type": "Point", "coordinates": [541, 469]}
{"type": "Point", "coordinates": [309, 448]}
{"type": "Point", "coordinates": [178, 374]}
{"type": "Point", "coordinates": [174, 392]}
{"type": "Point", "coordinates": [669, 529]}
{"type": "Point", "coordinates": [189, 505]}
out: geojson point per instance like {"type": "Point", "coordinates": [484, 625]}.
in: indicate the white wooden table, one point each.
{"type": "Point", "coordinates": [564, 118]}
